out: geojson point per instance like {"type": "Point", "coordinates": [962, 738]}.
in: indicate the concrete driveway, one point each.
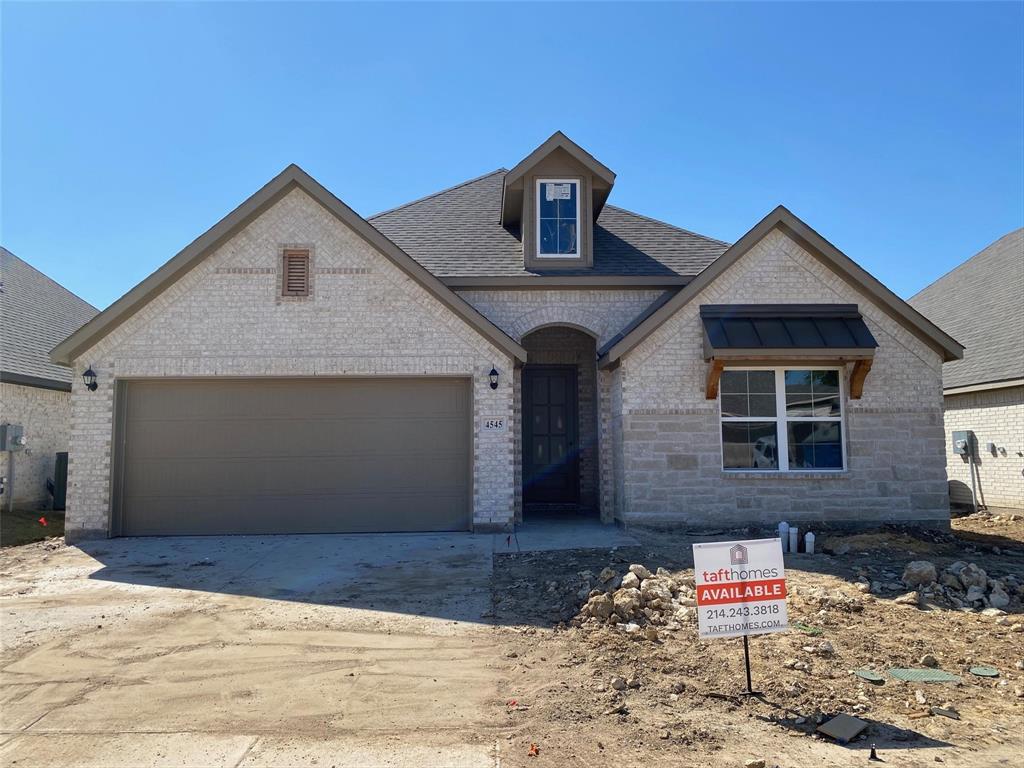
{"type": "Point", "coordinates": [244, 651]}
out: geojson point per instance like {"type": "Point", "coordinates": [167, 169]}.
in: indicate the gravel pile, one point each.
{"type": "Point", "coordinates": [639, 602]}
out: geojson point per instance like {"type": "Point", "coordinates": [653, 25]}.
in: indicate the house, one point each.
{"type": "Point", "coordinates": [35, 393]}
{"type": "Point", "coordinates": [981, 303]}
{"type": "Point", "coordinates": [510, 347]}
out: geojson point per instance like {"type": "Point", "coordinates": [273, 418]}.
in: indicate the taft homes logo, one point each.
{"type": "Point", "coordinates": [738, 555]}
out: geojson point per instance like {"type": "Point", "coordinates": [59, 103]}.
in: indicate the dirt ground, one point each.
{"type": "Point", "coordinates": [432, 651]}
{"type": "Point", "coordinates": [248, 651]}
{"type": "Point", "coordinates": [683, 710]}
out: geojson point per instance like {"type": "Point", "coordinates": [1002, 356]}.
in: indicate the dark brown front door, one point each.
{"type": "Point", "coordinates": [550, 455]}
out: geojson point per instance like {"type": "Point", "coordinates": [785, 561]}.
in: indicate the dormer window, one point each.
{"type": "Point", "coordinates": [558, 218]}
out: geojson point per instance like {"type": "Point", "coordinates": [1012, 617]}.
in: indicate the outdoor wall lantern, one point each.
{"type": "Point", "coordinates": [493, 376]}
{"type": "Point", "coordinates": [89, 377]}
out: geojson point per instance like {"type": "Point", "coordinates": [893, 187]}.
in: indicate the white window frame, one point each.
{"type": "Point", "coordinates": [781, 419]}
{"type": "Point", "coordinates": [579, 237]}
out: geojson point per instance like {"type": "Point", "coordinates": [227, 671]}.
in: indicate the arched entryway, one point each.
{"type": "Point", "coordinates": [559, 437]}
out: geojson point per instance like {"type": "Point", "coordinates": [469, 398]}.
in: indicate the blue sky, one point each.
{"type": "Point", "coordinates": [128, 129]}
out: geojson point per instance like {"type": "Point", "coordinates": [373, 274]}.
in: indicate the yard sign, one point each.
{"type": "Point", "coordinates": [741, 588]}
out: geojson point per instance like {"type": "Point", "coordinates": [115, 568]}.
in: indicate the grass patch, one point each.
{"type": "Point", "coordinates": [23, 527]}
{"type": "Point", "coordinates": [808, 630]}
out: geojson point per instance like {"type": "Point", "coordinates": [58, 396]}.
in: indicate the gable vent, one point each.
{"type": "Point", "coordinates": [296, 274]}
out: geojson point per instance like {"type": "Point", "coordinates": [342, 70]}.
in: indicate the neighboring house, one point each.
{"type": "Point", "coordinates": [981, 303]}
{"type": "Point", "coordinates": [512, 346]}
{"type": "Point", "coordinates": [35, 394]}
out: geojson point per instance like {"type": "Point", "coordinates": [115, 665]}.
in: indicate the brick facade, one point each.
{"type": "Point", "coordinates": [658, 446]}
{"type": "Point", "coordinates": [225, 318]}
{"type": "Point", "coordinates": [670, 467]}
{"type": "Point", "coordinates": [600, 313]}
{"type": "Point", "coordinates": [46, 416]}
{"type": "Point", "coordinates": [995, 416]}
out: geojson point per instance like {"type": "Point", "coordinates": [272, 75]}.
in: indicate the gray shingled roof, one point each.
{"type": "Point", "coordinates": [35, 315]}
{"type": "Point", "coordinates": [456, 233]}
{"type": "Point", "coordinates": [980, 304]}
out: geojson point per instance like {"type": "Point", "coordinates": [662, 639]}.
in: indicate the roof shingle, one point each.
{"type": "Point", "coordinates": [36, 313]}
{"type": "Point", "coordinates": [457, 233]}
{"type": "Point", "coordinates": [980, 304]}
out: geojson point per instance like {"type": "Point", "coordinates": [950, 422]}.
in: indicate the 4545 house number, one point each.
{"type": "Point", "coordinates": [495, 425]}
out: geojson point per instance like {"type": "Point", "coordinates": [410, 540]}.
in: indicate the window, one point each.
{"type": "Point", "coordinates": [558, 218]}
{"type": "Point", "coordinates": [782, 419]}
{"type": "Point", "coordinates": [295, 273]}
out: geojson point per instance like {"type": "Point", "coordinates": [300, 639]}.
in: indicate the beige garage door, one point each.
{"type": "Point", "coordinates": [292, 456]}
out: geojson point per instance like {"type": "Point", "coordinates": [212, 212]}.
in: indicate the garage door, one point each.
{"type": "Point", "coordinates": [292, 456]}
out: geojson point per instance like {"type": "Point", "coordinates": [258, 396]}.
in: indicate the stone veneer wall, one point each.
{"type": "Point", "coordinates": [225, 318]}
{"type": "Point", "coordinates": [671, 441]}
{"type": "Point", "coordinates": [995, 416]}
{"type": "Point", "coordinates": [46, 416]}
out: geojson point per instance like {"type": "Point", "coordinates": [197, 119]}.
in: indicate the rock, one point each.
{"type": "Point", "coordinates": [949, 579]}
{"type": "Point", "coordinates": [618, 683]}
{"type": "Point", "coordinates": [918, 573]}
{"type": "Point", "coordinates": [631, 628]}
{"type": "Point", "coordinates": [928, 661]}
{"type": "Point", "coordinates": [606, 575]}
{"type": "Point", "coordinates": [974, 594]}
{"type": "Point", "coordinates": [678, 687]}
{"type": "Point", "coordinates": [655, 589]}
{"type": "Point", "coordinates": [630, 581]}
{"type": "Point", "coordinates": [664, 734]}
{"type": "Point", "coordinates": [756, 763]}
{"type": "Point", "coordinates": [920, 698]}
{"type": "Point", "coordinates": [1018, 627]}
{"type": "Point", "coordinates": [910, 598]}
{"type": "Point", "coordinates": [863, 587]}
{"type": "Point", "coordinates": [790, 663]}
{"type": "Point", "coordinates": [993, 612]}
{"type": "Point", "coordinates": [971, 576]}
{"type": "Point", "coordinates": [627, 602]}
{"type": "Point", "coordinates": [801, 666]}
{"type": "Point", "coordinates": [998, 598]}
{"type": "Point", "coordinates": [633, 682]}
{"type": "Point", "coordinates": [825, 648]}
{"type": "Point", "coordinates": [600, 606]}
{"type": "Point", "coordinates": [650, 633]}
{"type": "Point", "coordinates": [640, 571]}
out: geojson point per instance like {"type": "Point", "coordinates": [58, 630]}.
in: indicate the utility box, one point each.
{"type": "Point", "coordinates": [60, 481]}
{"type": "Point", "coordinates": [963, 442]}
{"type": "Point", "coordinates": [12, 437]}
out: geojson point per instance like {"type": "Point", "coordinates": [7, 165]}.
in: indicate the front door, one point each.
{"type": "Point", "coordinates": [550, 455]}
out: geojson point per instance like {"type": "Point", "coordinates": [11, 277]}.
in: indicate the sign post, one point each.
{"type": "Point", "coordinates": [741, 591]}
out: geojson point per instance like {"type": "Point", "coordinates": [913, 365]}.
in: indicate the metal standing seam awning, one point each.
{"type": "Point", "coordinates": [759, 333]}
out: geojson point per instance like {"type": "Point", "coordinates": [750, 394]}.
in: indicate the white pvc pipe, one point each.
{"type": "Point", "coordinates": [784, 535]}
{"type": "Point", "coordinates": [794, 540]}
{"type": "Point", "coordinates": [809, 543]}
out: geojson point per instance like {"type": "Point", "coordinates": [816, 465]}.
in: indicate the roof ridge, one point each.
{"type": "Point", "coordinates": [667, 224]}
{"type": "Point", "coordinates": [436, 194]}
{"type": "Point", "coordinates": [47, 278]}
{"type": "Point", "coordinates": [966, 262]}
